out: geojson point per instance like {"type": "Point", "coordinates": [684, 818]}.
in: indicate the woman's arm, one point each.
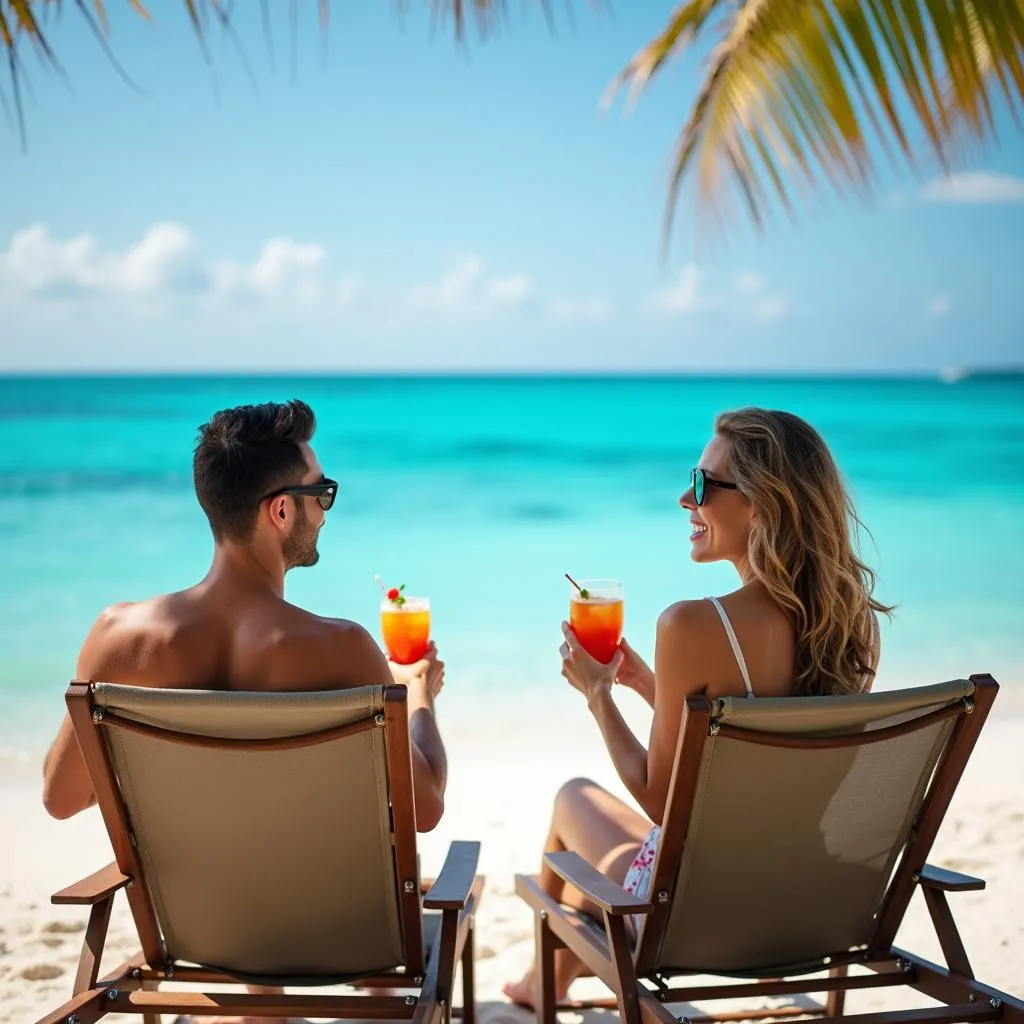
{"type": "Point", "coordinates": [679, 671]}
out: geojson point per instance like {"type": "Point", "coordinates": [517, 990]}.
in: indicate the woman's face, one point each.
{"type": "Point", "coordinates": [720, 528]}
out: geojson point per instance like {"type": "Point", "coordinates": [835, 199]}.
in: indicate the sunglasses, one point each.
{"type": "Point", "coordinates": [700, 481]}
{"type": "Point", "coordinates": [325, 492]}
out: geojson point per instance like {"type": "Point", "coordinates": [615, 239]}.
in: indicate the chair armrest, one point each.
{"type": "Point", "coordinates": [452, 887]}
{"type": "Point", "coordinates": [95, 887]}
{"type": "Point", "coordinates": [932, 877]}
{"type": "Point", "coordinates": [598, 888]}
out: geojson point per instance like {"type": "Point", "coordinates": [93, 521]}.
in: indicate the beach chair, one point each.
{"type": "Point", "coordinates": [266, 838]}
{"type": "Point", "coordinates": [796, 831]}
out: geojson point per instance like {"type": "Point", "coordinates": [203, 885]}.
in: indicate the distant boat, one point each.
{"type": "Point", "coordinates": [952, 374]}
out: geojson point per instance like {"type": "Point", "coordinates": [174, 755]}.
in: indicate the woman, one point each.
{"type": "Point", "coordinates": [768, 497]}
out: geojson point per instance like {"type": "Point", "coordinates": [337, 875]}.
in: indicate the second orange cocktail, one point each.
{"type": "Point", "coordinates": [595, 614]}
{"type": "Point", "coordinates": [405, 626]}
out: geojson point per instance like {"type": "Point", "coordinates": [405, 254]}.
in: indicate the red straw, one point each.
{"type": "Point", "coordinates": [574, 583]}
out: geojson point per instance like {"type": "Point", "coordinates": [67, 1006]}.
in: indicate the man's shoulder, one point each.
{"type": "Point", "coordinates": [320, 648]}
{"type": "Point", "coordinates": [338, 631]}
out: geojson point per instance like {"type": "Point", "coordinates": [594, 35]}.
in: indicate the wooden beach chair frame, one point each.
{"type": "Point", "coordinates": [609, 953]}
{"type": "Point", "coordinates": [426, 970]}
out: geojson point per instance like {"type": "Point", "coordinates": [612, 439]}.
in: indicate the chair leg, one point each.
{"type": "Point", "coordinates": [546, 944]}
{"type": "Point", "coordinates": [837, 997]}
{"type": "Point", "coordinates": [468, 982]}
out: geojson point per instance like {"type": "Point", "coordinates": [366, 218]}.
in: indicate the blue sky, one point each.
{"type": "Point", "coordinates": [405, 205]}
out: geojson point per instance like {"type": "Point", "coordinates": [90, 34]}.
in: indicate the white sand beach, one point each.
{"type": "Point", "coordinates": [503, 775]}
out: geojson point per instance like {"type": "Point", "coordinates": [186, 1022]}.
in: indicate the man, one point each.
{"type": "Point", "coordinates": [266, 498]}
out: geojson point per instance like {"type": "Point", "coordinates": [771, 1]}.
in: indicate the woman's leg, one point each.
{"type": "Point", "coordinates": [606, 833]}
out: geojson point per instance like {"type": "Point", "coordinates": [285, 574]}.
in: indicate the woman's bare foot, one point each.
{"type": "Point", "coordinates": [522, 992]}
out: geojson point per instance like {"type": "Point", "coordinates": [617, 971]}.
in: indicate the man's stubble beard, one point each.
{"type": "Point", "coordinates": [300, 546]}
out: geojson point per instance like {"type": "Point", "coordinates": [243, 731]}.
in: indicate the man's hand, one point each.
{"type": "Point", "coordinates": [428, 671]}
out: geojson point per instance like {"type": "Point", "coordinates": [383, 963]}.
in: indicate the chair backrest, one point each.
{"type": "Point", "coordinates": [260, 825]}
{"type": "Point", "coordinates": [786, 821]}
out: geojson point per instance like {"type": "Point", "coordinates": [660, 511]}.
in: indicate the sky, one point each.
{"type": "Point", "coordinates": [385, 200]}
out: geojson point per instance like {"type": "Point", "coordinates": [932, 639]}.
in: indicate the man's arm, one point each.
{"type": "Point", "coordinates": [67, 788]}
{"type": "Point", "coordinates": [429, 765]}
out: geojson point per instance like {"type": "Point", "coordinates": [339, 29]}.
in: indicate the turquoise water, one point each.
{"type": "Point", "coordinates": [481, 493]}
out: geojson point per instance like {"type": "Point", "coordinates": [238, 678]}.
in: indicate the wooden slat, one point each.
{"type": "Point", "coordinates": [275, 1005]}
{"type": "Point", "coordinates": [726, 1016]}
{"type": "Point", "coordinates": [625, 987]}
{"type": "Point", "coordinates": [598, 888]}
{"type": "Point", "coordinates": [92, 1005]}
{"type": "Point", "coordinates": [403, 813]}
{"type": "Point", "coordinates": [93, 888]}
{"type": "Point", "coordinates": [652, 1012]}
{"type": "Point", "coordinates": [836, 999]}
{"type": "Point", "coordinates": [108, 796]}
{"type": "Point", "coordinates": [693, 734]}
{"type": "Point", "coordinates": [949, 881]}
{"type": "Point", "coordinates": [937, 983]}
{"type": "Point", "coordinates": [187, 739]}
{"type": "Point", "coordinates": [964, 1013]}
{"type": "Point", "coordinates": [590, 946]}
{"type": "Point", "coordinates": [544, 975]}
{"type": "Point", "coordinates": [92, 945]}
{"type": "Point", "coordinates": [796, 986]}
{"type": "Point", "coordinates": [468, 961]}
{"type": "Point", "coordinates": [944, 782]}
{"type": "Point", "coordinates": [454, 884]}
{"type": "Point", "coordinates": [949, 937]}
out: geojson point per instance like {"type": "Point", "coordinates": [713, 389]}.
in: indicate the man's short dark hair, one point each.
{"type": "Point", "coordinates": [245, 453]}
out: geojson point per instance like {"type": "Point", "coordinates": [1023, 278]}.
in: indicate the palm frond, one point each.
{"type": "Point", "coordinates": [794, 89]}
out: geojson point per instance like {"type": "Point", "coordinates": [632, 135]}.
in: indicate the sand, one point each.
{"type": "Point", "coordinates": [503, 776]}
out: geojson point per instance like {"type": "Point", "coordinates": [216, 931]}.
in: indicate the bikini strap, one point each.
{"type": "Point", "coordinates": [735, 644]}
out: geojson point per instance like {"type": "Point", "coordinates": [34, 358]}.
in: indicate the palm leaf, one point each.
{"type": "Point", "coordinates": [797, 87]}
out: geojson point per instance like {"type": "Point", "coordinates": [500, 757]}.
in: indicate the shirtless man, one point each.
{"type": "Point", "coordinates": [266, 497]}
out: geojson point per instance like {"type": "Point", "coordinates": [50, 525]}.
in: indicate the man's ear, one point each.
{"type": "Point", "coordinates": [277, 509]}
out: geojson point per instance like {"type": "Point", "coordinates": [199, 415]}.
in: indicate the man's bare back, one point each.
{"type": "Point", "coordinates": [234, 630]}
{"type": "Point", "coordinates": [223, 637]}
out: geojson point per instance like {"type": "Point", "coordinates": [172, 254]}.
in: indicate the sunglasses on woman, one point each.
{"type": "Point", "coordinates": [325, 492]}
{"type": "Point", "coordinates": [700, 482]}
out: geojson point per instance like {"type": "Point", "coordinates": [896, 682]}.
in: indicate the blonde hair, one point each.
{"type": "Point", "coordinates": [802, 546]}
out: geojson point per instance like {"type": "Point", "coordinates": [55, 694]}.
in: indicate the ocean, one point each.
{"type": "Point", "coordinates": [481, 492]}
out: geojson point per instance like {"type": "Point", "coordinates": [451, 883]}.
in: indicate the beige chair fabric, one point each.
{"type": "Point", "coordinates": [789, 850]}
{"type": "Point", "coordinates": [262, 863]}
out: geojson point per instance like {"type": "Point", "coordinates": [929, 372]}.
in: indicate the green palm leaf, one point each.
{"type": "Point", "coordinates": [794, 89]}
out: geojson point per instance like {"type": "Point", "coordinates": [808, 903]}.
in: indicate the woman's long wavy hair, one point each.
{"type": "Point", "coordinates": [803, 546]}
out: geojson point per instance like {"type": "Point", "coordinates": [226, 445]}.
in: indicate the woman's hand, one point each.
{"type": "Point", "coordinates": [428, 671]}
{"type": "Point", "coordinates": [588, 675]}
{"type": "Point", "coordinates": [635, 674]}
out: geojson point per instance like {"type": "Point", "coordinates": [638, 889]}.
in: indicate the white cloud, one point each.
{"type": "Point", "coordinates": [166, 262]}
{"type": "Point", "coordinates": [770, 307]}
{"type": "Point", "coordinates": [750, 297]}
{"type": "Point", "coordinates": [468, 289]}
{"type": "Point", "coordinates": [284, 268]}
{"type": "Point", "coordinates": [939, 306]}
{"type": "Point", "coordinates": [682, 297]}
{"type": "Point", "coordinates": [580, 310]}
{"type": "Point", "coordinates": [748, 283]}
{"type": "Point", "coordinates": [976, 187]}
{"type": "Point", "coordinates": [165, 259]}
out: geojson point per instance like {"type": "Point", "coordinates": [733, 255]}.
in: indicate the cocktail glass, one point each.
{"type": "Point", "coordinates": [405, 628]}
{"type": "Point", "coordinates": [595, 614]}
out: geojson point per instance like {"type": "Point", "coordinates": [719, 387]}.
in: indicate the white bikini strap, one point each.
{"type": "Point", "coordinates": [735, 644]}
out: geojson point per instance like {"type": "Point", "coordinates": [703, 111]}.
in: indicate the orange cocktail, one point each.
{"type": "Point", "coordinates": [406, 628]}
{"type": "Point", "coordinates": [595, 614]}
